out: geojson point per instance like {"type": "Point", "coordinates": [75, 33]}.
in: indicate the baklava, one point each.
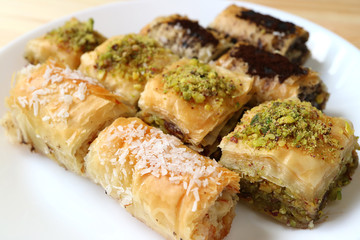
{"type": "Point", "coordinates": [194, 100]}
{"type": "Point", "coordinates": [65, 44]}
{"type": "Point", "coordinates": [123, 64]}
{"type": "Point", "coordinates": [275, 77]}
{"type": "Point", "coordinates": [292, 159]}
{"type": "Point", "coordinates": [59, 112]}
{"type": "Point", "coordinates": [264, 31]}
{"type": "Point", "coordinates": [171, 188]}
{"type": "Point", "coordinates": [186, 37]}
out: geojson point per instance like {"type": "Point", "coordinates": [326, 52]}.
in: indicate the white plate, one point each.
{"type": "Point", "coordinates": [40, 200]}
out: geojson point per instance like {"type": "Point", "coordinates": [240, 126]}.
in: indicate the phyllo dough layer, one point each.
{"type": "Point", "coordinates": [59, 112]}
{"type": "Point", "coordinates": [123, 64]}
{"type": "Point", "coordinates": [263, 31]}
{"type": "Point", "coordinates": [193, 100]}
{"type": "Point", "coordinates": [171, 188]}
{"type": "Point", "coordinates": [186, 37]}
{"type": "Point", "coordinates": [275, 77]}
{"type": "Point", "coordinates": [292, 159]}
{"type": "Point", "coordinates": [65, 44]}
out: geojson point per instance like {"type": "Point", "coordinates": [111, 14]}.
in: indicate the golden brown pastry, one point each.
{"type": "Point", "coordinates": [292, 159]}
{"type": "Point", "coordinates": [186, 37]}
{"type": "Point", "coordinates": [263, 31]}
{"type": "Point", "coordinates": [65, 44]}
{"type": "Point", "coordinates": [123, 64]}
{"type": "Point", "coordinates": [193, 100]}
{"type": "Point", "coordinates": [169, 187]}
{"type": "Point", "coordinates": [275, 77]}
{"type": "Point", "coordinates": [59, 112]}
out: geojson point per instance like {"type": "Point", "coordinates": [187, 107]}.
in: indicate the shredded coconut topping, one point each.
{"type": "Point", "coordinates": [160, 155]}
{"type": "Point", "coordinates": [53, 83]}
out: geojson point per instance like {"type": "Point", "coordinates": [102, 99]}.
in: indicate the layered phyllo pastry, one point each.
{"type": "Point", "coordinates": [193, 100]}
{"type": "Point", "coordinates": [292, 159]}
{"type": "Point", "coordinates": [275, 77]}
{"type": "Point", "coordinates": [123, 64]}
{"type": "Point", "coordinates": [264, 31]}
{"type": "Point", "coordinates": [186, 37]}
{"type": "Point", "coordinates": [65, 44]}
{"type": "Point", "coordinates": [171, 188]}
{"type": "Point", "coordinates": [59, 112]}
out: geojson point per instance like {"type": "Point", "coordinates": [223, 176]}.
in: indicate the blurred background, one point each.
{"type": "Point", "coordinates": [20, 16]}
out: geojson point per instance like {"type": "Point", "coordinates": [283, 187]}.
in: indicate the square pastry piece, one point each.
{"type": "Point", "coordinates": [292, 159]}
{"type": "Point", "coordinates": [65, 44]}
{"type": "Point", "coordinates": [186, 37]}
{"type": "Point", "coordinates": [275, 77]}
{"type": "Point", "coordinates": [194, 101]}
{"type": "Point", "coordinates": [123, 64]}
{"type": "Point", "coordinates": [59, 112]}
{"type": "Point", "coordinates": [264, 31]}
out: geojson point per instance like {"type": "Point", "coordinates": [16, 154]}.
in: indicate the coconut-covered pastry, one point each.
{"type": "Point", "coordinates": [292, 159]}
{"type": "Point", "coordinates": [275, 77]}
{"type": "Point", "coordinates": [264, 31]}
{"type": "Point", "coordinates": [65, 44]}
{"type": "Point", "coordinates": [171, 188]}
{"type": "Point", "coordinates": [193, 100]}
{"type": "Point", "coordinates": [186, 37]}
{"type": "Point", "coordinates": [123, 64]}
{"type": "Point", "coordinates": [59, 112]}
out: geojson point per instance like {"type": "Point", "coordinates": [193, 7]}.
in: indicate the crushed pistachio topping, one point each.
{"type": "Point", "coordinates": [76, 35]}
{"type": "Point", "coordinates": [288, 123]}
{"type": "Point", "coordinates": [196, 81]}
{"type": "Point", "coordinates": [132, 57]}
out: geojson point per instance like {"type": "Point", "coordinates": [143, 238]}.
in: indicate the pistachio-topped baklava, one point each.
{"type": "Point", "coordinates": [292, 159]}
{"type": "Point", "coordinates": [193, 100]}
{"type": "Point", "coordinates": [186, 37]}
{"type": "Point", "coordinates": [275, 77]}
{"type": "Point", "coordinates": [124, 63]}
{"type": "Point", "coordinates": [264, 31]}
{"type": "Point", "coordinates": [65, 44]}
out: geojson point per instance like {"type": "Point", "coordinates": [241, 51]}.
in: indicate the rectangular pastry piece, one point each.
{"type": "Point", "coordinates": [124, 63]}
{"type": "Point", "coordinates": [59, 112]}
{"type": "Point", "coordinates": [186, 37]}
{"type": "Point", "coordinates": [171, 188]}
{"type": "Point", "coordinates": [65, 44]}
{"type": "Point", "coordinates": [292, 159]}
{"type": "Point", "coordinates": [264, 31]}
{"type": "Point", "coordinates": [193, 100]}
{"type": "Point", "coordinates": [275, 77]}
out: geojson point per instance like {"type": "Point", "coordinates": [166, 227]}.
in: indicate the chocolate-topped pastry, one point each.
{"type": "Point", "coordinates": [265, 64]}
{"type": "Point", "coordinates": [186, 37]}
{"type": "Point", "coordinates": [275, 77]}
{"type": "Point", "coordinates": [264, 31]}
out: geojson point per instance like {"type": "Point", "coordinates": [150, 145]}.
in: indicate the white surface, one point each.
{"type": "Point", "coordinates": [40, 200]}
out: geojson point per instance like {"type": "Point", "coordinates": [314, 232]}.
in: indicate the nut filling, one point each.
{"type": "Point", "coordinates": [279, 202]}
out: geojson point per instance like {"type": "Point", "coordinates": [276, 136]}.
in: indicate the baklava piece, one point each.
{"type": "Point", "coordinates": [123, 64]}
{"type": "Point", "coordinates": [168, 186]}
{"type": "Point", "coordinates": [58, 112]}
{"type": "Point", "coordinates": [186, 37]}
{"type": "Point", "coordinates": [292, 159]}
{"type": "Point", "coordinates": [65, 44]}
{"type": "Point", "coordinates": [264, 31]}
{"type": "Point", "coordinates": [275, 77]}
{"type": "Point", "coordinates": [194, 101]}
